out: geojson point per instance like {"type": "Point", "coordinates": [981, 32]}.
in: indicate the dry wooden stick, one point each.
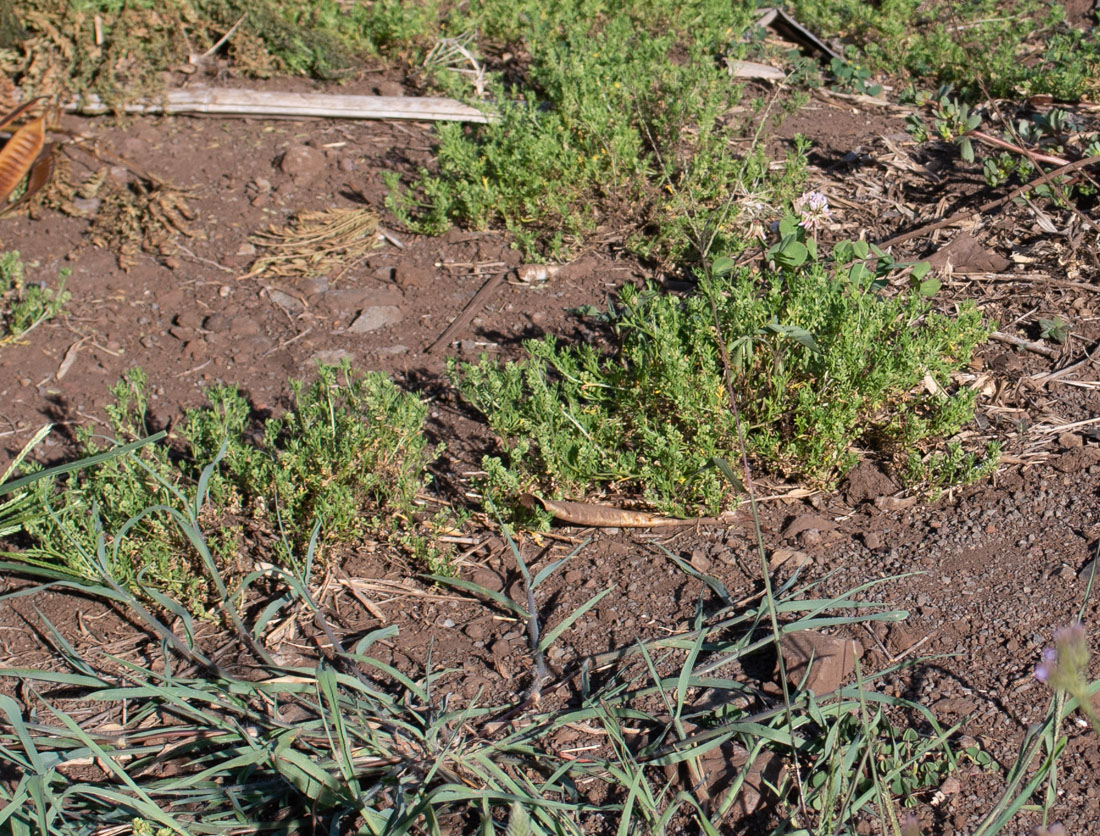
{"type": "Point", "coordinates": [1034, 156]}
{"type": "Point", "coordinates": [296, 105]}
{"type": "Point", "coordinates": [993, 204]}
{"type": "Point", "coordinates": [464, 316]}
{"type": "Point", "coordinates": [1019, 342]}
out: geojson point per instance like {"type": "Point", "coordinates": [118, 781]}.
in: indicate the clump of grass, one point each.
{"type": "Point", "coordinates": [373, 749]}
{"type": "Point", "coordinates": [821, 361]}
{"type": "Point", "coordinates": [24, 306]}
{"type": "Point", "coordinates": [348, 457]}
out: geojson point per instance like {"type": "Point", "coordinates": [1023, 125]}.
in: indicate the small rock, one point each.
{"type": "Point", "coordinates": [951, 786]}
{"type": "Point", "coordinates": [345, 304]}
{"type": "Point", "coordinates": [348, 164]}
{"type": "Point", "coordinates": [246, 249]}
{"type": "Point", "coordinates": [536, 273]}
{"type": "Point", "coordinates": [476, 630]}
{"type": "Point", "coordinates": [301, 162]}
{"type": "Point", "coordinates": [700, 562]}
{"type": "Point", "coordinates": [488, 579]}
{"type": "Point", "coordinates": [1070, 440]}
{"type": "Point", "coordinates": [895, 503]}
{"type": "Point", "coordinates": [189, 319]}
{"type": "Point", "coordinates": [172, 263]}
{"type": "Point", "coordinates": [87, 205]}
{"type": "Point", "coordinates": [448, 622]}
{"type": "Point", "coordinates": [866, 482]}
{"type": "Point", "coordinates": [500, 648]}
{"type": "Point", "coordinates": [409, 275]}
{"type": "Point", "coordinates": [783, 557]}
{"type": "Point", "coordinates": [375, 317]}
{"type": "Point", "coordinates": [388, 88]}
{"type": "Point", "coordinates": [243, 326]}
{"type": "Point", "coordinates": [313, 286]}
{"type": "Point", "coordinates": [872, 540]}
{"type": "Point", "coordinates": [291, 304]}
{"type": "Point", "coordinates": [829, 660]}
{"type": "Point", "coordinates": [195, 349]}
{"type": "Point", "coordinates": [391, 350]}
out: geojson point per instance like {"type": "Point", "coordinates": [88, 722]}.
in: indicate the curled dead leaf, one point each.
{"type": "Point", "coordinates": [19, 154]}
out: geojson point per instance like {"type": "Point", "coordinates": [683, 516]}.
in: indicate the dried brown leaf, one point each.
{"type": "Point", "coordinates": [19, 154]}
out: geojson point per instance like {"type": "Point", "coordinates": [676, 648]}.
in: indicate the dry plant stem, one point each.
{"type": "Point", "coordinates": [1051, 377]}
{"type": "Point", "coordinates": [1019, 342]}
{"type": "Point", "coordinates": [466, 314]}
{"type": "Point", "coordinates": [986, 139]}
{"type": "Point", "coordinates": [991, 205]}
{"type": "Point", "coordinates": [747, 478]}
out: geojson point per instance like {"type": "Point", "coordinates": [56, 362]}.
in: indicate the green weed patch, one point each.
{"type": "Point", "coordinates": [23, 305]}
{"type": "Point", "coordinates": [821, 362]}
{"type": "Point", "coordinates": [981, 47]}
{"type": "Point", "coordinates": [344, 462]}
{"type": "Point", "coordinates": [626, 116]}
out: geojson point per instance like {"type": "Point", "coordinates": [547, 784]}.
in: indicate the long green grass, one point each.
{"type": "Point", "coordinates": [349, 741]}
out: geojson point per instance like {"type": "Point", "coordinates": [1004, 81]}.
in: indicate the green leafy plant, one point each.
{"type": "Point", "coordinates": [951, 119]}
{"type": "Point", "coordinates": [346, 461]}
{"type": "Point", "coordinates": [24, 306]}
{"type": "Point", "coordinates": [821, 362]}
{"type": "Point", "coordinates": [350, 452]}
{"type": "Point", "coordinates": [853, 76]}
{"type": "Point", "coordinates": [982, 47]}
{"type": "Point", "coordinates": [112, 493]}
{"type": "Point", "coordinates": [625, 113]}
{"type": "Point", "coordinates": [1056, 329]}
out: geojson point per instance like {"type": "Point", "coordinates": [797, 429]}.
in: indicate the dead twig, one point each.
{"type": "Point", "coordinates": [1028, 345]}
{"type": "Point", "coordinates": [991, 205]}
{"type": "Point", "coordinates": [467, 313]}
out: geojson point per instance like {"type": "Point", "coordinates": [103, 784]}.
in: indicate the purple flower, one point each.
{"type": "Point", "coordinates": [1046, 667]}
{"type": "Point", "coordinates": [1063, 667]}
{"type": "Point", "coordinates": [813, 208]}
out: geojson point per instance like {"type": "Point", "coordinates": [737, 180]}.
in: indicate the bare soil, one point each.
{"type": "Point", "coordinates": [987, 573]}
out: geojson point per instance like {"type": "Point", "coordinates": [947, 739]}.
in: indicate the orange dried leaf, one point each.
{"type": "Point", "coordinates": [41, 171]}
{"type": "Point", "coordinates": [19, 154]}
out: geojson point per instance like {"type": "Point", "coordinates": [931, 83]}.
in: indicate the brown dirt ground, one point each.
{"type": "Point", "coordinates": [986, 573]}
